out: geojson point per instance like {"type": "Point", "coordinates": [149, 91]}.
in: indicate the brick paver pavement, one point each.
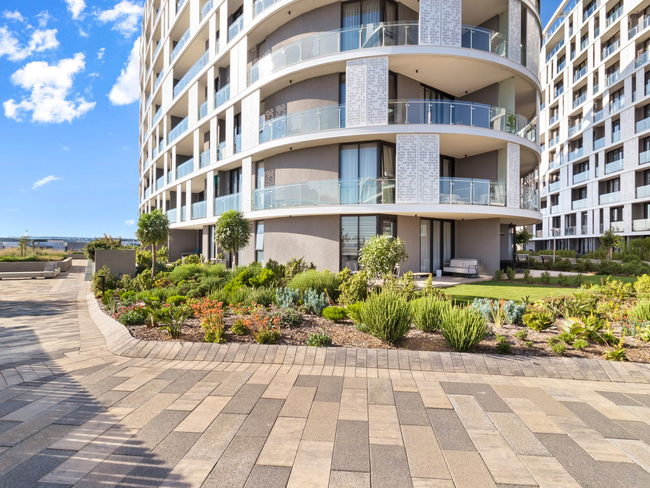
{"type": "Point", "coordinates": [84, 405]}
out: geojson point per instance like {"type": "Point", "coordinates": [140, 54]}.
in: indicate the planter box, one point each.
{"type": "Point", "coordinates": [33, 266]}
{"type": "Point", "coordinates": [120, 262]}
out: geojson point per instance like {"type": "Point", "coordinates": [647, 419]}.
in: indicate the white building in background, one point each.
{"type": "Point", "coordinates": [595, 123]}
{"type": "Point", "coordinates": [328, 122]}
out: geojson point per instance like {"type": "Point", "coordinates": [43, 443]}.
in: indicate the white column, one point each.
{"type": "Point", "coordinates": [193, 105]}
{"type": "Point", "coordinates": [230, 131]}
{"type": "Point", "coordinates": [209, 193]}
{"type": "Point", "coordinates": [214, 145]}
{"type": "Point", "coordinates": [212, 30]}
{"type": "Point", "coordinates": [188, 200]}
{"type": "Point", "coordinates": [234, 71]}
{"type": "Point", "coordinates": [250, 115]}
{"type": "Point", "coordinates": [513, 181]}
{"type": "Point", "coordinates": [196, 149]}
{"type": "Point", "coordinates": [247, 185]}
{"type": "Point", "coordinates": [195, 14]}
{"type": "Point", "coordinates": [210, 98]}
{"type": "Point", "coordinates": [179, 202]}
{"type": "Point", "coordinates": [223, 24]}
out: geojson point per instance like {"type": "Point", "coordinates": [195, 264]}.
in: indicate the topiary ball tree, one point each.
{"type": "Point", "coordinates": [380, 254]}
{"type": "Point", "coordinates": [153, 230]}
{"type": "Point", "coordinates": [232, 232]}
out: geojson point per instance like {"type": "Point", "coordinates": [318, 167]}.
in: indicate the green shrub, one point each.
{"type": "Point", "coordinates": [559, 348]}
{"type": "Point", "coordinates": [578, 280]}
{"type": "Point", "coordinates": [504, 347]}
{"type": "Point", "coordinates": [173, 318]}
{"type": "Point", "coordinates": [498, 275]}
{"type": "Point", "coordinates": [177, 300]}
{"type": "Point", "coordinates": [463, 328]}
{"type": "Point", "coordinates": [106, 242]}
{"type": "Point", "coordinates": [244, 277]}
{"type": "Point", "coordinates": [262, 296]}
{"type": "Point", "coordinates": [143, 259]}
{"type": "Point", "coordinates": [131, 316]}
{"type": "Point", "coordinates": [319, 340]}
{"type": "Point", "coordinates": [353, 288]}
{"type": "Point", "coordinates": [642, 285]}
{"type": "Point", "coordinates": [386, 315]}
{"type": "Point", "coordinates": [296, 266]}
{"type": "Point", "coordinates": [526, 275]}
{"type": "Point", "coordinates": [522, 335]}
{"type": "Point", "coordinates": [238, 328]}
{"type": "Point", "coordinates": [641, 311]}
{"type": "Point", "coordinates": [563, 280]}
{"type": "Point", "coordinates": [320, 281]}
{"type": "Point", "coordinates": [539, 320]}
{"type": "Point", "coordinates": [286, 297]}
{"type": "Point", "coordinates": [192, 259]}
{"type": "Point", "coordinates": [381, 254]}
{"type": "Point", "coordinates": [266, 279]}
{"type": "Point", "coordinates": [510, 273]}
{"type": "Point", "coordinates": [562, 265]}
{"type": "Point", "coordinates": [278, 269]}
{"type": "Point", "coordinates": [428, 313]}
{"type": "Point", "coordinates": [580, 344]}
{"type": "Point", "coordinates": [110, 282]}
{"type": "Point", "coordinates": [315, 302]}
{"type": "Point", "coordinates": [528, 344]}
{"type": "Point", "coordinates": [546, 277]}
{"type": "Point", "coordinates": [240, 295]}
{"type": "Point", "coordinates": [354, 311]}
{"type": "Point", "coordinates": [186, 272]}
{"type": "Point", "coordinates": [566, 337]}
{"type": "Point", "coordinates": [335, 314]}
{"type": "Point", "coordinates": [289, 317]}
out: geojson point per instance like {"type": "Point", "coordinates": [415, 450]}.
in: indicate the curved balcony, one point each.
{"type": "Point", "coordinates": [227, 202]}
{"type": "Point", "coordinates": [369, 36]}
{"type": "Point", "coordinates": [429, 112]}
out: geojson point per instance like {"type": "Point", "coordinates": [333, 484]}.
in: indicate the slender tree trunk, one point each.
{"type": "Point", "coordinates": [153, 261]}
{"type": "Point", "coordinates": [234, 259]}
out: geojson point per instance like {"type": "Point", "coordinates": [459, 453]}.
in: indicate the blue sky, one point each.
{"type": "Point", "coordinates": [69, 116]}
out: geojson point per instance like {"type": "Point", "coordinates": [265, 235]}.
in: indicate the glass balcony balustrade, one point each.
{"type": "Point", "coordinates": [179, 46]}
{"type": "Point", "coordinates": [614, 166]}
{"type": "Point", "coordinates": [222, 96]}
{"type": "Point", "coordinates": [578, 204]}
{"type": "Point", "coordinates": [614, 16]}
{"type": "Point", "coordinates": [204, 159]}
{"type": "Point", "coordinates": [617, 226]}
{"type": "Point", "coordinates": [643, 191]}
{"type": "Point", "coordinates": [199, 210]}
{"type": "Point", "coordinates": [172, 215]}
{"type": "Point", "coordinates": [207, 8]}
{"type": "Point", "coordinates": [642, 125]}
{"type": "Point", "coordinates": [580, 177]}
{"type": "Point", "coordinates": [579, 74]}
{"type": "Point", "coordinates": [640, 26]}
{"type": "Point", "coordinates": [578, 153]}
{"type": "Point", "coordinates": [235, 27]}
{"type": "Point", "coordinates": [609, 50]}
{"type": "Point", "coordinates": [227, 202]}
{"type": "Point", "coordinates": [555, 186]}
{"type": "Point", "coordinates": [160, 183]}
{"type": "Point", "coordinates": [599, 143]}
{"type": "Point", "coordinates": [177, 131]}
{"type": "Point", "coordinates": [260, 6]}
{"type": "Point", "coordinates": [641, 225]}
{"type": "Point", "coordinates": [185, 169]}
{"type": "Point", "coordinates": [183, 213]}
{"type": "Point", "coordinates": [191, 73]}
{"type": "Point", "coordinates": [203, 110]}
{"type": "Point", "coordinates": [472, 191]}
{"type": "Point", "coordinates": [612, 197]}
{"type": "Point", "coordinates": [644, 157]}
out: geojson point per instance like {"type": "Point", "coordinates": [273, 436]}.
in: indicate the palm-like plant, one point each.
{"type": "Point", "coordinates": [153, 230]}
{"type": "Point", "coordinates": [173, 318]}
{"type": "Point", "coordinates": [232, 233]}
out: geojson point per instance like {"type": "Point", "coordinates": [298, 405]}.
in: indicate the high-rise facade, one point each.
{"type": "Point", "coordinates": [595, 124]}
{"type": "Point", "coordinates": [329, 122]}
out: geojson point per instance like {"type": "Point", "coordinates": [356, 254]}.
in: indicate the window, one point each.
{"type": "Point", "coordinates": [363, 13]}
{"type": "Point", "coordinates": [616, 214]}
{"type": "Point", "coordinates": [234, 181]}
{"type": "Point", "coordinates": [259, 176]}
{"type": "Point", "coordinates": [355, 231]}
{"type": "Point", "coordinates": [646, 177]}
{"type": "Point", "coordinates": [259, 242]}
{"type": "Point", "coordinates": [612, 186]}
{"type": "Point", "coordinates": [361, 166]}
{"type": "Point", "coordinates": [615, 155]}
{"type": "Point", "coordinates": [617, 96]}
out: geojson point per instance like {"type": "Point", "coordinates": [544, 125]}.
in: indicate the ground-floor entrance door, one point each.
{"type": "Point", "coordinates": [436, 244]}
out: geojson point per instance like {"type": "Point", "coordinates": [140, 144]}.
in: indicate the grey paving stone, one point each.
{"type": "Point", "coordinates": [329, 389]}
{"type": "Point", "coordinates": [455, 388]}
{"type": "Point", "coordinates": [142, 443]}
{"type": "Point", "coordinates": [81, 415]}
{"type": "Point", "coordinates": [214, 441]}
{"type": "Point", "coordinates": [487, 398]}
{"type": "Point", "coordinates": [349, 479]}
{"type": "Point", "coordinates": [245, 399]}
{"type": "Point", "coordinates": [638, 428]}
{"type": "Point", "coordinates": [630, 475]}
{"type": "Point", "coordinates": [28, 473]}
{"type": "Point", "coordinates": [6, 425]}
{"type": "Point", "coordinates": [236, 463]}
{"type": "Point", "coordinates": [172, 374]}
{"type": "Point", "coordinates": [410, 408]}
{"type": "Point", "coordinates": [142, 394]}
{"type": "Point", "coordinates": [109, 472]}
{"type": "Point", "coordinates": [380, 391]}
{"type": "Point", "coordinates": [110, 398]}
{"type": "Point", "coordinates": [389, 467]}
{"type": "Point", "coordinates": [268, 477]}
{"type": "Point", "coordinates": [641, 398]}
{"type": "Point", "coordinates": [232, 384]}
{"type": "Point", "coordinates": [585, 469]}
{"type": "Point", "coordinates": [619, 398]}
{"type": "Point", "coordinates": [597, 421]}
{"type": "Point", "coordinates": [307, 380]}
{"type": "Point", "coordinates": [183, 383]}
{"type": "Point", "coordinates": [518, 435]}
{"type": "Point", "coordinates": [351, 446]}
{"type": "Point", "coordinates": [9, 406]}
{"type": "Point", "coordinates": [449, 430]}
{"type": "Point", "coordinates": [261, 419]}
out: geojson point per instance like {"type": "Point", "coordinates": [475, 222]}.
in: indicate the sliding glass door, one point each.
{"type": "Point", "coordinates": [361, 21]}
{"type": "Point", "coordinates": [436, 244]}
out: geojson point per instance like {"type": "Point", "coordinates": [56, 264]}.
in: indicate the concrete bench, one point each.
{"type": "Point", "coordinates": [463, 266]}
{"type": "Point", "coordinates": [30, 274]}
{"type": "Point", "coordinates": [522, 261]}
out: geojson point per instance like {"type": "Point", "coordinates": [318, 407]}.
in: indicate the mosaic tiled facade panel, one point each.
{"type": "Point", "coordinates": [514, 31]}
{"type": "Point", "coordinates": [533, 42]}
{"type": "Point", "coordinates": [429, 168]}
{"type": "Point", "coordinates": [512, 183]}
{"type": "Point", "coordinates": [377, 91]}
{"type": "Point", "coordinates": [406, 174]}
{"type": "Point", "coordinates": [430, 22]}
{"type": "Point", "coordinates": [355, 92]}
{"type": "Point", "coordinates": [451, 23]}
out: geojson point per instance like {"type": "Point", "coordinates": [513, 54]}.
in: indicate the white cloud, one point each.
{"type": "Point", "coordinates": [75, 7]}
{"type": "Point", "coordinates": [43, 18]}
{"type": "Point", "coordinates": [41, 40]}
{"type": "Point", "coordinates": [15, 15]}
{"type": "Point", "coordinates": [49, 88]}
{"type": "Point", "coordinates": [130, 222]}
{"type": "Point", "coordinates": [125, 90]}
{"type": "Point", "coordinates": [44, 181]}
{"type": "Point", "coordinates": [100, 53]}
{"type": "Point", "coordinates": [65, 148]}
{"type": "Point", "coordinates": [124, 16]}
{"type": "Point", "coordinates": [12, 210]}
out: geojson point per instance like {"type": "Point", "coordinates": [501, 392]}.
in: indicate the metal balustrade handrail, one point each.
{"type": "Point", "coordinates": [178, 130]}
{"type": "Point", "coordinates": [443, 112]}
{"type": "Point", "coordinates": [191, 73]}
{"type": "Point", "coordinates": [179, 46]}
{"type": "Point", "coordinates": [227, 202]}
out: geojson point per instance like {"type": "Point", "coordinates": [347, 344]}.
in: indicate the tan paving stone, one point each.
{"type": "Point", "coordinates": [354, 405]}
{"type": "Point", "coordinates": [424, 455]}
{"type": "Point", "coordinates": [203, 415]}
{"type": "Point", "coordinates": [384, 425]}
{"type": "Point", "coordinates": [192, 397]}
{"type": "Point", "coordinates": [431, 483]}
{"type": "Point", "coordinates": [548, 472]}
{"type": "Point", "coordinates": [281, 445]}
{"type": "Point", "coordinates": [470, 412]}
{"type": "Point", "coordinates": [349, 479]}
{"type": "Point", "coordinates": [312, 464]}
{"type": "Point", "coordinates": [321, 423]}
{"type": "Point", "coordinates": [188, 473]}
{"type": "Point", "coordinates": [468, 470]}
{"type": "Point", "coordinates": [298, 403]}
{"type": "Point", "coordinates": [534, 418]}
{"type": "Point", "coordinates": [280, 386]}
{"type": "Point", "coordinates": [433, 396]}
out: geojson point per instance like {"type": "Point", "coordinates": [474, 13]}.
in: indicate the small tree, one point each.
{"type": "Point", "coordinates": [153, 230]}
{"type": "Point", "coordinates": [23, 243]}
{"type": "Point", "coordinates": [380, 254]}
{"type": "Point", "coordinates": [232, 233]}
{"type": "Point", "coordinates": [523, 237]}
{"type": "Point", "coordinates": [610, 240]}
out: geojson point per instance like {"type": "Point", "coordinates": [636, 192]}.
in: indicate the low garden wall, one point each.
{"type": "Point", "coordinates": [120, 262]}
{"type": "Point", "coordinates": [32, 266]}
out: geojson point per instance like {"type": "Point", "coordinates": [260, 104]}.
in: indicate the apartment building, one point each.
{"type": "Point", "coordinates": [329, 122]}
{"type": "Point", "coordinates": [595, 124]}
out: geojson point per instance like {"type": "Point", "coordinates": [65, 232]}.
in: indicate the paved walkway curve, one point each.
{"type": "Point", "coordinates": [74, 412]}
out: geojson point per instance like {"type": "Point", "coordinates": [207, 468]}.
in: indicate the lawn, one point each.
{"type": "Point", "coordinates": [588, 279]}
{"type": "Point", "coordinates": [517, 290]}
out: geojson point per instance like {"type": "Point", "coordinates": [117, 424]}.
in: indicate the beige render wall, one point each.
{"type": "Point", "coordinates": [322, 19]}
{"type": "Point", "coordinates": [311, 164]}
{"type": "Point", "coordinates": [484, 166]}
{"type": "Point", "coordinates": [408, 229]}
{"type": "Point", "coordinates": [479, 239]}
{"type": "Point", "coordinates": [312, 93]}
